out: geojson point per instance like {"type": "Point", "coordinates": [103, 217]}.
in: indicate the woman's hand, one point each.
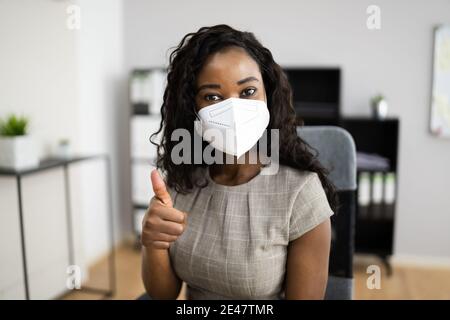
{"type": "Point", "coordinates": [162, 223]}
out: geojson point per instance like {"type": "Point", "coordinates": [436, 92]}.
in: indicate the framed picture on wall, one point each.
{"type": "Point", "coordinates": [440, 92]}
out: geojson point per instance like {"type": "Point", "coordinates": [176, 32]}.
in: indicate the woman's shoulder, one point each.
{"type": "Point", "coordinates": [298, 180]}
{"type": "Point", "coordinates": [306, 189]}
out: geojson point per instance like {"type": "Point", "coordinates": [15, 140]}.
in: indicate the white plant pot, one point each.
{"type": "Point", "coordinates": [18, 153]}
{"type": "Point", "coordinates": [63, 151]}
{"type": "Point", "coordinates": [380, 109]}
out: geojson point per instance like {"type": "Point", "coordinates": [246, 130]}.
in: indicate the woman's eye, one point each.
{"type": "Point", "coordinates": [248, 92]}
{"type": "Point", "coordinates": [212, 97]}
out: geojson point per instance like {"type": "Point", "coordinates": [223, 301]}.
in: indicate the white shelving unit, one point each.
{"type": "Point", "coordinates": [146, 96]}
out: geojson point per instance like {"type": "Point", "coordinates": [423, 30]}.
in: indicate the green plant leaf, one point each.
{"type": "Point", "coordinates": [14, 126]}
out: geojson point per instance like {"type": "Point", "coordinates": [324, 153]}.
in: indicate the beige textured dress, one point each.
{"type": "Point", "coordinates": [235, 243]}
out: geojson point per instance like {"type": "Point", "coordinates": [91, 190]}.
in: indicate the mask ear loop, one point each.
{"type": "Point", "coordinates": [269, 163]}
{"type": "Point", "coordinates": [197, 116]}
{"type": "Point", "coordinates": [197, 120]}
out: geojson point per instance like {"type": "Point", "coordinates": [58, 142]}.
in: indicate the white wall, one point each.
{"type": "Point", "coordinates": [103, 111]}
{"type": "Point", "coordinates": [12, 285]}
{"type": "Point", "coordinates": [71, 83]}
{"type": "Point", "coordinates": [395, 60]}
{"type": "Point", "coordinates": [38, 69]}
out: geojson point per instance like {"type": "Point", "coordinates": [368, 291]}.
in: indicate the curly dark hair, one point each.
{"type": "Point", "coordinates": [178, 108]}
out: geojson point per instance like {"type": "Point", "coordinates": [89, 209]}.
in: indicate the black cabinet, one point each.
{"type": "Point", "coordinates": [374, 226]}
{"type": "Point", "coordinates": [374, 223]}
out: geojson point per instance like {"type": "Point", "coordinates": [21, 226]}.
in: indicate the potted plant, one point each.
{"type": "Point", "coordinates": [17, 149]}
{"type": "Point", "coordinates": [379, 106]}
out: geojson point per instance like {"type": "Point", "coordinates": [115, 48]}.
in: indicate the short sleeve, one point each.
{"type": "Point", "coordinates": [310, 208]}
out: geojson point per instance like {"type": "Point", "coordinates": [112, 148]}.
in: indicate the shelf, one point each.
{"type": "Point", "coordinates": [140, 206]}
{"type": "Point", "coordinates": [374, 223]}
{"type": "Point", "coordinates": [359, 170]}
{"type": "Point", "coordinates": [143, 160]}
{"type": "Point", "coordinates": [46, 164]}
{"type": "Point", "coordinates": [374, 136]}
{"type": "Point", "coordinates": [376, 212]}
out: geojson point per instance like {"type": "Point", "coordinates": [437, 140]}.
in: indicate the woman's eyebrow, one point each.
{"type": "Point", "coordinates": [217, 86]}
{"type": "Point", "coordinates": [209, 86]}
{"type": "Point", "coordinates": [251, 78]}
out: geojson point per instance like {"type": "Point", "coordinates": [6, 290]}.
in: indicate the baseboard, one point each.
{"type": "Point", "coordinates": [420, 261]}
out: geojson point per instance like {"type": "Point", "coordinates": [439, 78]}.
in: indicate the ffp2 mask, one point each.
{"type": "Point", "coordinates": [234, 125]}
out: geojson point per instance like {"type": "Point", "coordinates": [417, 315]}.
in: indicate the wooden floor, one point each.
{"type": "Point", "coordinates": [129, 283]}
{"type": "Point", "coordinates": [406, 282]}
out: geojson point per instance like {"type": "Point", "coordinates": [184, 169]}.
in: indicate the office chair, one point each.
{"type": "Point", "coordinates": [336, 152]}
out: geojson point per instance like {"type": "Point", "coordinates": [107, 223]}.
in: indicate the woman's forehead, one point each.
{"type": "Point", "coordinates": [228, 65]}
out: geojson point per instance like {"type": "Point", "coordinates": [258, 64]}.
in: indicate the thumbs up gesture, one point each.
{"type": "Point", "coordinates": [162, 223]}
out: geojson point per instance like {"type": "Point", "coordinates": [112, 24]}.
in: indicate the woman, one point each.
{"type": "Point", "coordinates": [229, 230]}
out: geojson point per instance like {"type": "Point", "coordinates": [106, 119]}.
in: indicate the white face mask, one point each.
{"type": "Point", "coordinates": [234, 125]}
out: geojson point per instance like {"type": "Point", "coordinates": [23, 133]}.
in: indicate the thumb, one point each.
{"type": "Point", "coordinates": [159, 188]}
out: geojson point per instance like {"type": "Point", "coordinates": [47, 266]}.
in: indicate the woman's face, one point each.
{"type": "Point", "coordinates": [230, 73]}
